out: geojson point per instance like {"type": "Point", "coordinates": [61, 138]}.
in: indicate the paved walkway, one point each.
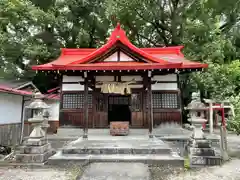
{"type": "Point", "coordinates": [116, 171]}
{"type": "Point", "coordinates": [229, 171]}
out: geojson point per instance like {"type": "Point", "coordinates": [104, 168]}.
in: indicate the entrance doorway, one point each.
{"type": "Point", "coordinates": [119, 108]}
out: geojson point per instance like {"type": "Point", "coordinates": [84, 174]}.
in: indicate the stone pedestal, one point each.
{"type": "Point", "coordinates": [200, 151]}
{"type": "Point", "coordinates": [34, 151]}
{"type": "Point", "coordinates": [202, 154]}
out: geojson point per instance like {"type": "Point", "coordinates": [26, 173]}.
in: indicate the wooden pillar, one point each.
{"type": "Point", "coordinates": [149, 101]}
{"type": "Point", "coordinates": [180, 99]}
{"type": "Point", "coordinates": [85, 128]}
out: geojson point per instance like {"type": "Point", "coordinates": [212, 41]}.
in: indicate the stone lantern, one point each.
{"type": "Point", "coordinates": [196, 115]}
{"type": "Point", "coordinates": [39, 120]}
{"type": "Point", "coordinates": [36, 149]}
{"type": "Point", "coordinates": [199, 149]}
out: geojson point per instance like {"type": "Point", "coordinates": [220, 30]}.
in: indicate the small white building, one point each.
{"type": "Point", "coordinates": [14, 115]}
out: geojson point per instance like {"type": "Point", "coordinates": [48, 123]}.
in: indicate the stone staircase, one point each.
{"type": "Point", "coordinates": [142, 150]}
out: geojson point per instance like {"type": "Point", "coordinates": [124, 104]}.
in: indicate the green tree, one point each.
{"type": "Point", "coordinates": [34, 31]}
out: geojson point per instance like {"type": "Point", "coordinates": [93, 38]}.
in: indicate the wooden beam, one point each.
{"type": "Point", "coordinates": [118, 56]}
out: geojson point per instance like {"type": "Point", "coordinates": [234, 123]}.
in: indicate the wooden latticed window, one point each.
{"type": "Point", "coordinates": [100, 103]}
{"type": "Point", "coordinates": [156, 100]}
{"type": "Point", "coordinates": [164, 100]}
{"type": "Point", "coordinates": [118, 100]}
{"type": "Point", "coordinates": [136, 102]}
{"type": "Point", "coordinates": [90, 101]}
{"type": "Point", "coordinates": [124, 100]}
{"type": "Point", "coordinates": [75, 101]}
{"type": "Point", "coordinates": [170, 100]}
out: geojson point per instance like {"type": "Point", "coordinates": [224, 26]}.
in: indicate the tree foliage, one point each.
{"type": "Point", "coordinates": [33, 31]}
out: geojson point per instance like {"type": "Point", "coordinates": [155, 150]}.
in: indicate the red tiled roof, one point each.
{"type": "Point", "coordinates": [157, 58]}
{"type": "Point", "coordinates": [5, 89]}
{"type": "Point", "coordinates": [53, 93]}
{"type": "Point", "coordinates": [14, 91]}
{"type": "Point", "coordinates": [52, 96]}
{"type": "Point", "coordinates": [116, 66]}
{"type": "Point", "coordinates": [53, 90]}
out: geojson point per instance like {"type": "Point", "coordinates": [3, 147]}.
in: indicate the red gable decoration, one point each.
{"type": "Point", "coordinates": [144, 58]}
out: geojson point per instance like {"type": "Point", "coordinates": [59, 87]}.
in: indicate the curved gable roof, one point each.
{"type": "Point", "coordinates": [154, 58]}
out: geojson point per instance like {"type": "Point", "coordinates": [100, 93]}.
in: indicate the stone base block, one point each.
{"type": "Point", "coordinates": [35, 149]}
{"type": "Point", "coordinates": [201, 151]}
{"type": "Point", "coordinates": [203, 144]}
{"type": "Point", "coordinates": [205, 161]}
{"type": "Point", "coordinates": [35, 142]}
{"type": "Point", "coordinates": [34, 158]}
{"type": "Point", "coordinates": [200, 143]}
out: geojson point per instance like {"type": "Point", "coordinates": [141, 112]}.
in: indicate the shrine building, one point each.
{"type": "Point", "coordinates": [120, 82]}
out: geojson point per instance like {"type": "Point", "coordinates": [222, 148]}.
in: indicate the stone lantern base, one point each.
{"type": "Point", "coordinates": [35, 151]}
{"type": "Point", "coordinates": [202, 154]}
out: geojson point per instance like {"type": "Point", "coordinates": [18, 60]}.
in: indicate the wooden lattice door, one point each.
{"type": "Point", "coordinates": [100, 116]}
{"type": "Point", "coordinates": [137, 110]}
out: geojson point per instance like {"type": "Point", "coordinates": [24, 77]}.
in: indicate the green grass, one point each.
{"type": "Point", "coordinates": [186, 163]}
{"type": "Point", "coordinates": [74, 172]}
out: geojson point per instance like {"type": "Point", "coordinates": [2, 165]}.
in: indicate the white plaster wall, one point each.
{"type": "Point", "coordinates": [131, 86]}
{"type": "Point", "coordinates": [10, 108]}
{"type": "Point", "coordinates": [105, 78]}
{"type": "Point", "coordinates": [124, 57]}
{"type": "Point", "coordinates": [168, 77]}
{"type": "Point", "coordinates": [130, 78]}
{"type": "Point", "coordinates": [158, 86]}
{"type": "Point", "coordinates": [73, 87]}
{"type": "Point", "coordinates": [165, 86]}
{"type": "Point", "coordinates": [72, 79]}
{"type": "Point", "coordinates": [114, 57]}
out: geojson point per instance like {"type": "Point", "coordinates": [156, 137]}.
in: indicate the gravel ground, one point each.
{"type": "Point", "coordinates": [33, 174]}
{"type": "Point", "coordinates": [229, 171]}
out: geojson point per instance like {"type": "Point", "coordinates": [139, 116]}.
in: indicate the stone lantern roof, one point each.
{"type": "Point", "coordinates": [196, 103]}
{"type": "Point", "coordinates": [38, 103]}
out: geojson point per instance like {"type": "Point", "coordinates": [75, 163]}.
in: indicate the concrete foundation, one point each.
{"type": "Point", "coordinates": [118, 149]}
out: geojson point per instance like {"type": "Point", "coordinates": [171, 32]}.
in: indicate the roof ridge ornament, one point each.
{"type": "Point", "coordinates": [118, 26]}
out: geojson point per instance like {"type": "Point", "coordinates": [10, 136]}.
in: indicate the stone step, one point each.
{"type": "Point", "coordinates": [116, 150]}
{"type": "Point", "coordinates": [151, 159]}
{"type": "Point", "coordinates": [197, 161]}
